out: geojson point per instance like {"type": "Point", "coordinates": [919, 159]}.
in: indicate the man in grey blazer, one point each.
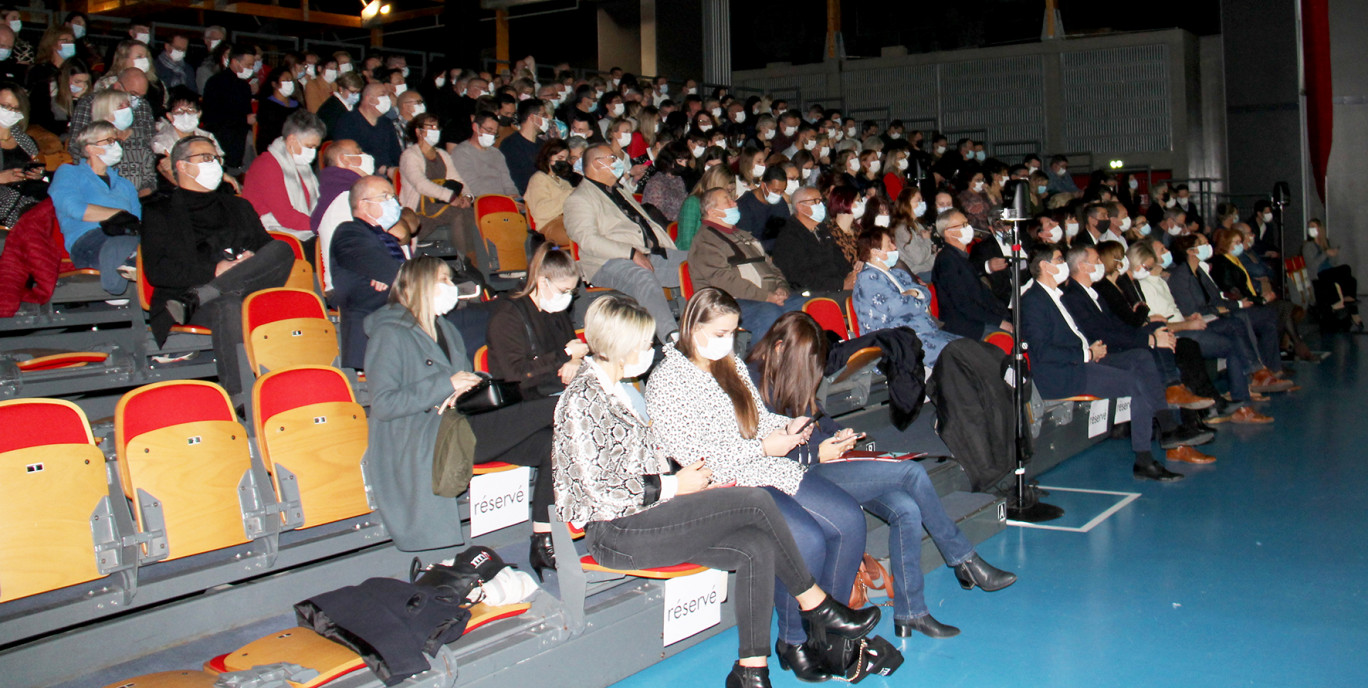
{"type": "Point", "coordinates": [620, 247]}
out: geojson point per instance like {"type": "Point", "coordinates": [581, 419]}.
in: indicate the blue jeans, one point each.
{"type": "Point", "coordinates": [1238, 365]}
{"type": "Point", "coordinates": [758, 316]}
{"type": "Point", "coordinates": [829, 528]}
{"type": "Point", "coordinates": [95, 249]}
{"type": "Point", "coordinates": [902, 494]}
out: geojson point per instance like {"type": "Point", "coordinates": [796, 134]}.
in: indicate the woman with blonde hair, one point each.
{"type": "Point", "coordinates": [417, 369]}
{"type": "Point", "coordinates": [691, 211]}
{"type": "Point", "coordinates": [531, 336]}
{"type": "Point", "coordinates": [613, 477]}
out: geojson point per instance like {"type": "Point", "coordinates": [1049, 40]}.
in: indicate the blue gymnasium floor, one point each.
{"type": "Point", "coordinates": [1248, 573]}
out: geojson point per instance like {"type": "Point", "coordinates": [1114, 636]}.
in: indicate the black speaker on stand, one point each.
{"type": "Point", "coordinates": [1025, 504]}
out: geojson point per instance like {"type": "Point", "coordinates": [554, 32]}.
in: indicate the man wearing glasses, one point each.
{"type": "Point", "coordinates": [620, 247]}
{"type": "Point", "coordinates": [204, 251]}
{"type": "Point", "coordinates": [967, 306]}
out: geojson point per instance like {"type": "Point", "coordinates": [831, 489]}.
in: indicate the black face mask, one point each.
{"type": "Point", "coordinates": [562, 169]}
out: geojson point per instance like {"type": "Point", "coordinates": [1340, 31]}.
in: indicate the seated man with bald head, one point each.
{"type": "Point", "coordinates": [620, 246]}
{"type": "Point", "coordinates": [368, 126]}
{"type": "Point", "coordinates": [204, 251]}
{"type": "Point", "coordinates": [139, 164]}
{"type": "Point", "coordinates": [343, 164]}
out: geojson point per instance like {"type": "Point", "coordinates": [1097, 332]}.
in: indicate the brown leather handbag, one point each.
{"type": "Point", "coordinates": [871, 576]}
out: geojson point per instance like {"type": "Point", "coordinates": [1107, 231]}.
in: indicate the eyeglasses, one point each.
{"type": "Point", "coordinates": [104, 142]}
{"type": "Point", "coordinates": [185, 111]}
{"type": "Point", "coordinates": [385, 198]}
{"type": "Point", "coordinates": [205, 157]}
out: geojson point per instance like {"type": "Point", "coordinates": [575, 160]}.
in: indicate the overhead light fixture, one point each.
{"type": "Point", "coordinates": [1117, 164]}
{"type": "Point", "coordinates": [373, 9]}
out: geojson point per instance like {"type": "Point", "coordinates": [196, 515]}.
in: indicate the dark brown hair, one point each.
{"type": "Point", "coordinates": [789, 377]}
{"type": "Point", "coordinates": [871, 239]}
{"type": "Point", "coordinates": [709, 304]}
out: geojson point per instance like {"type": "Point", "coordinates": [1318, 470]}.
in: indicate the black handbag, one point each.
{"type": "Point", "coordinates": [122, 223]}
{"type": "Point", "coordinates": [489, 395]}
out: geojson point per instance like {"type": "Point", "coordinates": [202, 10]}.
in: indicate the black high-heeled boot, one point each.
{"type": "Point", "coordinates": [543, 554]}
{"type": "Point", "coordinates": [975, 571]}
{"type": "Point", "coordinates": [802, 660]}
{"type": "Point", "coordinates": [748, 677]}
{"type": "Point", "coordinates": [832, 617]}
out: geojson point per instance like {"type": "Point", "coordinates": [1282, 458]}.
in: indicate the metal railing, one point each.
{"type": "Point", "coordinates": [860, 115]}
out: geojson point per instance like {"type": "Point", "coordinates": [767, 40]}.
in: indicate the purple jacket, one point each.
{"type": "Point", "coordinates": [332, 182]}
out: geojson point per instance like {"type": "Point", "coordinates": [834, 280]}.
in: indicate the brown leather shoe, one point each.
{"type": "Point", "coordinates": [1247, 415]}
{"type": "Point", "coordinates": [1264, 381]}
{"type": "Point", "coordinates": [1180, 397]}
{"type": "Point", "coordinates": [1187, 454]}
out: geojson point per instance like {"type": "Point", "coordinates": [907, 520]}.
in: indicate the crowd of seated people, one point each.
{"type": "Point", "coordinates": [626, 181]}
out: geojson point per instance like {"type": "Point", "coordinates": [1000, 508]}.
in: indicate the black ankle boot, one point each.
{"type": "Point", "coordinates": [543, 554]}
{"type": "Point", "coordinates": [802, 660]}
{"type": "Point", "coordinates": [927, 625]}
{"type": "Point", "coordinates": [748, 677]}
{"type": "Point", "coordinates": [832, 617]}
{"type": "Point", "coordinates": [976, 571]}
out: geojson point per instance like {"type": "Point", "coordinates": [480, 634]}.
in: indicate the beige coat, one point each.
{"type": "Point", "coordinates": [602, 231]}
{"type": "Point", "coordinates": [416, 185]}
{"type": "Point", "coordinates": [710, 265]}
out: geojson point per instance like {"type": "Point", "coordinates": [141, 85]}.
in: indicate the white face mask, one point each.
{"type": "Point", "coordinates": [637, 368]}
{"type": "Point", "coordinates": [822, 153]}
{"type": "Point", "coordinates": [705, 128]}
{"type": "Point", "coordinates": [617, 109]}
{"type": "Point", "coordinates": [329, 75]}
{"type": "Point", "coordinates": [445, 298]}
{"type": "Point", "coordinates": [112, 154]}
{"type": "Point", "coordinates": [770, 198]}
{"type": "Point", "coordinates": [881, 220]}
{"type": "Point", "coordinates": [287, 89]}
{"type": "Point", "coordinates": [185, 123]}
{"type": "Point", "coordinates": [1125, 223]}
{"type": "Point", "coordinates": [1098, 272]}
{"type": "Point", "coordinates": [1133, 184]}
{"type": "Point", "coordinates": [15, 25]}
{"type": "Point", "coordinates": [486, 140]}
{"type": "Point", "coordinates": [177, 55]}
{"type": "Point", "coordinates": [1140, 273]}
{"type": "Point", "coordinates": [1267, 218]}
{"type": "Point", "coordinates": [716, 112]}
{"type": "Point", "coordinates": [305, 156]}
{"type": "Point", "coordinates": [345, 67]}
{"type": "Point", "coordinates": [1061, 272]}
{"type": "Point", "coordinates": [5, 54]}
{"type": "Point", "coordinates": [9, 118]}
{"type": "Point", "coordinates": [142, 63]}
{"type": "Point", "coordinates": [716, 348]}
{"type": "Point", "coordinates": [1124, 267]}
{"type": "Point", "coordinates": [810, 145]}
{"type": "Point", "coordinates": [1313, 232]}
{"type": "Point", "coordinates": [624, 138]}
{"type": "Point", "coordinates": [875, 166]}
{"type": "Point", "coordinates": [919, 209]}
{"type": "Point", "coordinates": [558, 302]}
{"type": "Point", "coordinates": [382, 104]}
{"type": "Point", "coordinates": [399, 89]}
{"type": "Point", "coordinates": [78, 30]}
{"type": "Point", "coordinates": [143, 37]}
{"type": "Point", "coordinates": [767, 135]}
{"type": "Point", "coordinates": [790, 131]}
{"type": "Point", "coordinates": [757, 170]}
{"type": "Point", "coordinates": [790, 187]}
{"type": "Point", "coordinates": [245, 74]}
{"type": "Point", "coordinates": [853, 165]}
{"type": "Point", "coordinates": [209, 175]}
{"type": "Point", "coordinates": [978, 187]}
{"type": "Point", "coordinates": [439, 82]}
{"type": "Point", "coordinates": [1071, 229]}
{"type": "Point", "coordinates": [940, 150]}
{"type": "Point", "coordinates": [902, 164]}
{"type": "Point", "coordinates": [1052, 235]}
{"type": "Point", "coordinates": [857, 209]}
{"type": "Point", "coordinates": [1175, 230]}
{"type": "Point", "coordinates": [432, 136]}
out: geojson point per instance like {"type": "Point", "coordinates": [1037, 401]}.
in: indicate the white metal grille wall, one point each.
{"type": "Point", "coordinates": [1002, 99]}
{"type": "Point", "coordinates": [1117, 99]}
{"type": "Point", "coordinates": [908, 91]}
{"type": "Point", "coordinates": [813, 86]}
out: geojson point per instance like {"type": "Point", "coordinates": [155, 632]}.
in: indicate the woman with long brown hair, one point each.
{"type": "Point", "coordinates": [786, 365]}
{"type": "Point", "coordinates": [417, 367]}
{"type": "Point", "coordinates": [703, 407]}
{"type": "Point", "coordinates": [531, 336]}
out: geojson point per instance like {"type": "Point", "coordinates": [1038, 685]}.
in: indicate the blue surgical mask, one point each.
{"type": "Point", "coordinates": [919, 209]}
{"type": "Point", "coordinates": [978, 155]}
{"type": "Point", "coordinates": [818, 212]}
{"type": "Point", "coordinates": [891, 259]}
{"type": "Point", "coordinates": [353, 99]}
{"type": "Point", "coordinates": [389, 213]}
{"type": "Point", "coordinates": [1237, 251]}
{"type": "Point", "coordinates": [1042, 188]}
{"type": "Point", "coordinates": [123, 118]}
{"type": "Point", "coordinates": [1167, 262]}
{"type": "Point", "coordinates": [618, 168]}
{"type": "Point", "coordinates": [1204, 252]}
{"type": "Point", "coordinates": [67, 51]}
{"type": "Point", "coordinates": [731, 215]}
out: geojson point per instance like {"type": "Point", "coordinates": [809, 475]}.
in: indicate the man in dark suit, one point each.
{"type": "Point", "coordinates": [967, 307]}
{"type": "Point", "coordinates": [1097, 322]}
{"type": "Point", "coordinates": [1065, 364]}
{"type": "Point", "coordinates": [989, 258]}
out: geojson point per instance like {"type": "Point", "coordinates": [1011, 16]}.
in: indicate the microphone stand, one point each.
{"type": "Point", "coordinates": [1027, 507]}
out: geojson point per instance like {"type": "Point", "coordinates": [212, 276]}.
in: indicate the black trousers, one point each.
{"type": "Point", "coordinates": [220, 306]}
{"type": "Point", "coordinates": [520, 434]}
{"type": "Point", "coordinates": [732, 529]}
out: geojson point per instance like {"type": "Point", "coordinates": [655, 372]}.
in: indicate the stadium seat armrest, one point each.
{"type": "Point", "coordinates": [154, 527]}
{"type": "Point", "coordinates": [291, 505]}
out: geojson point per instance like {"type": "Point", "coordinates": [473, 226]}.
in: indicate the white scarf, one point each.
{"type": "Point", "coordinates": [298, 178]}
